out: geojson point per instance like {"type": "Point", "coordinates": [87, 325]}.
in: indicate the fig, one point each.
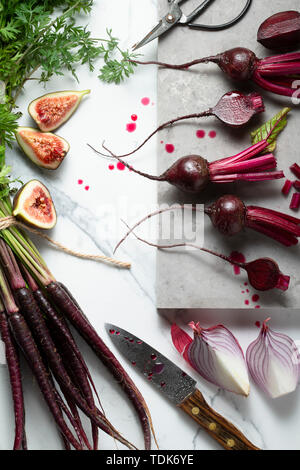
{"type": "Point", "coordinates": [45, 149]}
{"type": "Point", "coordinates": [33, 205]}
{"type": "Point", "coordinates": [52, 110]}
{"type": "Point", "coordinates": [280, 31]}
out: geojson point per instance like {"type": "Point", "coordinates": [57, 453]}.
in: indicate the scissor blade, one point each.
{"type": "Point", "coordinates": [166, 23]}
{"type": "Point", "coordinates": [157, 31]}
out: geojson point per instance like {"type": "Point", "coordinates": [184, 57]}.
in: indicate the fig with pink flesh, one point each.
{"type": "Point", "coordinates": [52, 110]}
{"type": "Point", "coordinates": [34, 206]}
{"type": "Point", "coordinates": [45, 149]}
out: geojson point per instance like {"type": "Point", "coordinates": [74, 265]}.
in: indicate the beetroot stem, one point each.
{"type": "Point", "coordinates": [204, 60]}
{"type": "Point", "coordinates": [163, 126]}
{"type": "Point", "coordinates": [141, 173]}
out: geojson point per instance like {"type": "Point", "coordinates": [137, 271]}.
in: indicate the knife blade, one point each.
{"type": "Point", "coordinates": [179, 387]}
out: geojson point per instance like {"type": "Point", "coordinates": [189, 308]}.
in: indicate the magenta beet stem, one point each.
{"type": "Point", "coordinates": [271, 86]}
{"type": "Point", "coordinates": [281, 227]}
{"type": "Point", "coordinates": [295, 203]}
{"type": "Point", "coordinates": [287, 187]}
{"type": "Point", "coordinates": [296, 185]}
{"type": "Point", "coordinates": [296, 170]}
{"type": "Point", "coordinates": [244, 166]}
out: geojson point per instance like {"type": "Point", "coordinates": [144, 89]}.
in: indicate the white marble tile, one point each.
{"type": "Point", "coordinates": [127, 298]}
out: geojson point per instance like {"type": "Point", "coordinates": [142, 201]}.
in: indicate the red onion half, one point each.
{"type": "Point", "coordinates": [216, 355]}
{"type": "Point", "coordinates": [273, 361]}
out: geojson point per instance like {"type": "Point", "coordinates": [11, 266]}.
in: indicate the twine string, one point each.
{"type": "Point", "coordinates": [10, 221]}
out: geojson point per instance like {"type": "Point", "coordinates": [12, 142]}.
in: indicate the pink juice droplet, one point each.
{"type": "Point", "coordinates": [121, 166]}
{"type": "Point", "coordinates": [111, 167]}
{"type": "Point", "coordinates": [134, 117]}
{"type": "Point", "coordinates": [257, 306]}
{"type": "Point", "coordinates": [145, 101]}
{"type": "Point", "coordinates": [238, 258]}
{"type": "Point", "coordinates": [80, 181]}
{"type": "Point", "coordinates": [257, 323]}
{"type": "Point", "coordinates": [86, 188]}
{"type": "Point", "coordinates": [200, 134]}
{"type": "Point", "coordinates": [153, 357]}
{"type": "Point", "coordinates": [212, 134]}
{"type": "Point", "coordinates": [169, 148]}
{"type": "Point", "coordinates": [246, 302]}
{"type": "Point", "coordinates": [255, 298]}
{"type": "Point", "coordinates": [131, 127]}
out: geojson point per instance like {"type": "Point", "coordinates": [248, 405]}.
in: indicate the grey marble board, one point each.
{"type": "Point", "coordinates": [194, 279]}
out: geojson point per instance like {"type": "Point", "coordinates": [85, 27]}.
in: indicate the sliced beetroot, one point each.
{"type": "Point", "coordinates": [280, 31]}
{"type": "Point", "coordinates": [295, 168]}
{"type": "Point", "coordinates": [46, 150]}
{"type": "Point", "coordinates": [33, 205]}
{"type": "Point", "coordinates": [52, 110]}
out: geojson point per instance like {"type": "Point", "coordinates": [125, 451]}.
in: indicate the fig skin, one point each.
{"type": "Point", "coordinates": [56, 160]}
{"type": "Point", "coordinates": [30, 208]}
{"type": "Point", "coordinates": [45, 124]}
{"type": "Point", "coordinates": [280, 31]}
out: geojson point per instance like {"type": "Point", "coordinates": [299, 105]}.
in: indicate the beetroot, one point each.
{"type": "Point", "coordinates": [280, 31]}
{"type": "Point", "coordinates": [234, 109]}
{"type": "Point", "coordinates": [192, 173]}
{"type": "Point", "coordinates": [276, 74]}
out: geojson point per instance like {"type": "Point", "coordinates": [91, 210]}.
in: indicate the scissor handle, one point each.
{"type": "Point", "coordinates": [188, 19]}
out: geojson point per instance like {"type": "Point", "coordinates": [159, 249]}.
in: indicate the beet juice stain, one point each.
{"type": "Point", "coordinates": [145, 101]}
{"type": "Point", "coordinates": [169, 148]}
{"type": "Point", "coordinates": [239, 258]}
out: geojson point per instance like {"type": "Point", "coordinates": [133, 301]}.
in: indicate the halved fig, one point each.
{"type": "Point", "coordinates": [34, 206]}
{"type": "Point", "coordinates": [45, 149]}
{"type": "Point", "coordinates": [52, 110]}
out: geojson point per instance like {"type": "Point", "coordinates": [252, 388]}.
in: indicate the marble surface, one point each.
{"type": "Point", "coordinates": [90, 221]}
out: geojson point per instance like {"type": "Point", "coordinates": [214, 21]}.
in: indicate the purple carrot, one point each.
{"type": "Point", "coordinates": [13, 364]}
{"type": "Point", "coordinates": [30, 350]}
{"type": "Point", "coordinates": [66, 305]}
{"type": "Point", "coordinates": [38, 325]}
{"type": "Point", "coordinates": [71, 356]}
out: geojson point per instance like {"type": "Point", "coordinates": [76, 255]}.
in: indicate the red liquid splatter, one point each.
{"type": "Point", "coordinates": [112, 332]}
{"type": "Point", "coordinates": [161, 141]}
{"type": "Point", "coordinates": [133, 363]}
{"type": "Point", "coordinates": [257, 323]}
{"type": "Point", "coordinates": [200, 134]}
{"type": "Point", "coordinates": [169, 148]}
{"type": "Point", "coordinates": [158, 368]}
{"type": "Point", "coordinates": [139, 342]}
{"type": "Point", "coordinates": [257, 306]}
{"type": "Point", "coordinates": [131, 127]}
{"type": "Point", "coordinates": [246, 302]}
{"type": "Point", "coordinates": [163, 384]}
{"type": "Point", "coordinates": [117, 333]}
{"type": "Point", "coordinates": [212, 134]}
{"type": "Point", "coordinates": [80, 181]}
{"type": "Point", "coordinates": [111, 167]}
{"type": "Point", "coordinates": [255, 298]}
{"type": "Point", "coordinates": [239, 258]}
{"type": "Point", "coordinates": [121, 166]}
{"type": "Point", "coordinates": [245, 283]}
{"type": "Point", "coordinates": [247, 290]}
{"type": "Point", "coordinates": [243, 292]}
{"type": "Point", "coordinates": [145, 101]}
{"type": "Point", "coordinates": [86, 188]}
{"type": "Point", "coordinates": [134, 117]}
{"type": "Point", "coordinates": [153, 357]}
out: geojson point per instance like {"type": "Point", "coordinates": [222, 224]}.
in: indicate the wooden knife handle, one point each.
{"type": "Point", "coordinates": [218, 427]}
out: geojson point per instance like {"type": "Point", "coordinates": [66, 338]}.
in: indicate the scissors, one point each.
{"type": "Point", "coordinates": [175, 17]}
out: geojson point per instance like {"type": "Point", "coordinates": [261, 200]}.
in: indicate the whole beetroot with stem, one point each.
{"type": "Point", "coordinates": [230, 216]}
{"type": "Point", "coordinates": [193, 173]}
{"type": "Point", "coordinates": [263, 273]}
{"type": "Point", "coordinates": [276, 74]}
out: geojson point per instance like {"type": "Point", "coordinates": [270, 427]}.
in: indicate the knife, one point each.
{"type": "Point", "coordinates": [179, 387]}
